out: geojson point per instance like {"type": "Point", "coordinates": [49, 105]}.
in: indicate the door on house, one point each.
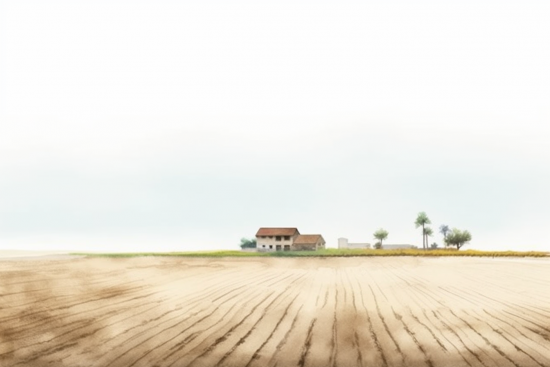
{"type": "Point", "coordinates": [287, 247]}
{"type": "Point", "coordinates": [278, 248]}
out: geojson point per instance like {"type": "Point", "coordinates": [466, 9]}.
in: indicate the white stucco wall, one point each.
{"type": "Point", "coordinates": [396, 247]}
{"type": "Point", "coordinates": [358, 245]}
{"type": "Point", "coordinates": [344, 243]}
{"type": "Point", "coordinates": [263, 244]}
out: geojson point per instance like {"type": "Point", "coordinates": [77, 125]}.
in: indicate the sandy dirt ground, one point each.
{"type": "Point", "coordinates": [275, 312]}
{"type": "Point", "coordinates": [22, 254]}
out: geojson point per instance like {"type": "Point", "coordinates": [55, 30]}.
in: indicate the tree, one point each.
{"type": "Point", "coordinates": [458, 238]}
{"type": "Point", "coordinates": [427, 233]}
{"type": "Point", "coordinates": [381, 235]}
{"type": "Point", "coordinates": [248, 243]}
{"type": "Point", "coordinates": [377, 245]}
{"type": "Point", "coordinates": [444, 229]}
{"type": "Point", "coordinates": [421, 220]}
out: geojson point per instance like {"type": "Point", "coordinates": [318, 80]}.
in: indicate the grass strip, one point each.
{"type": "Point", "coordinates": [326, 253]}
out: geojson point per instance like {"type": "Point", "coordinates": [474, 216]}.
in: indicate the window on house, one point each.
{"type": "Point", "coordinates": [277, 238]}
{"type": "Point", "coordinates": [270, 246]}
{"type": "Point", "coordinates": [263, 246]}
{"type": "Point", "coordinates": [287, 238]}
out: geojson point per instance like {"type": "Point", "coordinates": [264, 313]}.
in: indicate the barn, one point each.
{"type": "Point", "coordinates": [309, 242]}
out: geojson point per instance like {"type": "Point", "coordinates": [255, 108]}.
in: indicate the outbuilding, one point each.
{"type": "Point", "coordinates": [309, 242]}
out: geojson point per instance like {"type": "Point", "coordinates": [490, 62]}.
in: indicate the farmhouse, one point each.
{"type": "Point", "coordinates": [275, 239]}
{"type": "Point", "coordinates": [287, 239]}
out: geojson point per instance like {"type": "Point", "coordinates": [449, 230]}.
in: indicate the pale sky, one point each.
{"type": "Point", "coordinates": [186, 125]}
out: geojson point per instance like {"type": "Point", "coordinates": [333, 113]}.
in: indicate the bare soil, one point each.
{"type": "Point", "coordinates": [165, 311]}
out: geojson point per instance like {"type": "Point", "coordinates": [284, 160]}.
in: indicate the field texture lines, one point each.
{"type": "Point", "coordinates": [252, 312]}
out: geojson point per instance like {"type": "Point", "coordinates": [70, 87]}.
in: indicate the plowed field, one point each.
{"type": "Point", "coordinates": [275, 312]}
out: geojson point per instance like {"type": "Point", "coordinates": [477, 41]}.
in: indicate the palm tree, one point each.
{"type": "Point", "coordinates": [421, 220]}
{"type": "Point", "coordinates": [427, 233]}
{"type": "Point", "coordinates": [444, 229]}
{"type": "Point", "coordinates": [381, 235]}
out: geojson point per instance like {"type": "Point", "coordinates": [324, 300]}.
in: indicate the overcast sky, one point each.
{"type": "Point", "coordinates": [183, 125]}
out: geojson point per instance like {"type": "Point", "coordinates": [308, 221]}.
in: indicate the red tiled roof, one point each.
{"type": "Point", "coordinates": [277, 232]}
{"type": "Point", "coordinates": [307, 239]}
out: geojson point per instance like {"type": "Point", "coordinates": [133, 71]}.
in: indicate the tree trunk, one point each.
{"type": "Point", "coordinates": [426, 241]}
{"type": "Point", "coordinates": [423, 237]}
